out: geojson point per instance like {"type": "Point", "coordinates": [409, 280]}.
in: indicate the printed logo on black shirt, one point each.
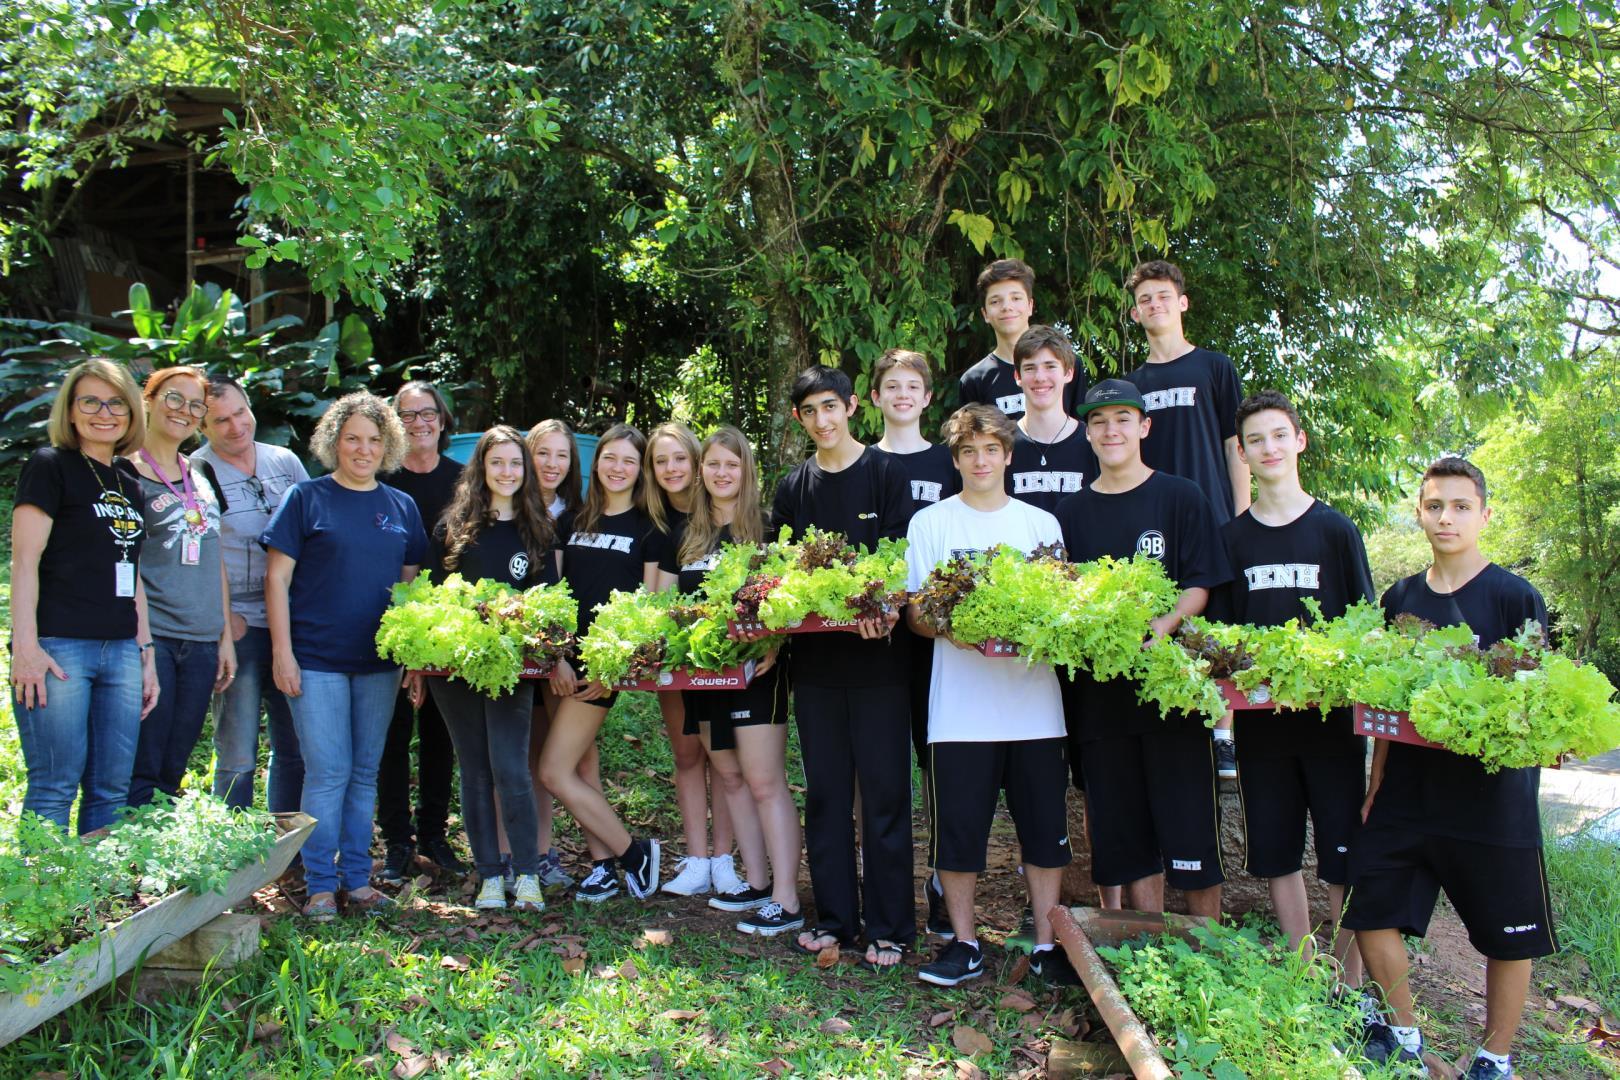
{"type": "Point", "coordinates": [123, 520]}
{"type": "Point", "coordinates": [1151, 544]}
{"type": "Point", "coordinates": [1284, 576]}
{"type": "Point", "coordinates": [518, 566]}
{"type": "Point", "coordinates": [610, 541]}
{"type": "Point", "coordinates": [926, 491]}
{"type": "Point", "coordinates": [1012, 403]}
{"type": "Point", "coordinates": [1176, 396]}
{"type": "Point", "coordinates": [1025, 483]}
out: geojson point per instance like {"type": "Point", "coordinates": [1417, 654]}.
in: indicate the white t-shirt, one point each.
{"type": "Point", "coordinates": [974, 698]}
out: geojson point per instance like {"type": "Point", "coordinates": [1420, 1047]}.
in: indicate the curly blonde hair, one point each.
{"type": "Point", "coordinates": [368, 406]}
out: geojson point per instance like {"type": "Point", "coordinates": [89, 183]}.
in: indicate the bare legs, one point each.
{"type": "Point", "coordinates": [754, 780]}
{"type": "Point", "coordinates": [692, 778]}
{"type": "Point", "coordinates": [1507, 983]}
{"type": "Point", "coordinates": [572, 737]}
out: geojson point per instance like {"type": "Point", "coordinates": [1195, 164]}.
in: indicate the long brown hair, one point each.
{"type": "Point", "coordinates": [590, 515]}
{"type": "Point", "coordinates": [470, 512]}
{"type": "Point", "coordinates": [660, 507]}
{"type": "Point", "coordinates": [747, 524]}
{"type": "Point", "coordinates": [570, 487]}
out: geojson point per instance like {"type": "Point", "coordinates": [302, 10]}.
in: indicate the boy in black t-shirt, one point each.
{"type": "Point", "coordinates": [1192, 395]}
{"type": "Point", "coordinates": [852, 691]}
{"type": "Point", "coordinates": [1051, 457]}
{"type": "Point", "coordinates": [1284, 548]}
{"type": "Point", "coordinates": [1437, 820]}
{"type": "Point", "coordinates": [1150, 783]}
{"type": "Point", "coordinates": [1006, 301]}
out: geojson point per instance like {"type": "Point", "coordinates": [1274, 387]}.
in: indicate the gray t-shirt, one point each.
{"type": "Point", "coordinates": [248, 507]}
{"type": "Point", "coordinates": [180, 561]}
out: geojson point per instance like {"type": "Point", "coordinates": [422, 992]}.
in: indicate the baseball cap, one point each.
{"type": "Point", "coordinates": [1112, 392]}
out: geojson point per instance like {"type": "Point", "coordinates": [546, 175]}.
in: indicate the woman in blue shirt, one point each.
{"type": "Point", "coordinates": [336, 546]}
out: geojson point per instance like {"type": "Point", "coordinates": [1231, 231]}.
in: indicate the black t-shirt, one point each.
{"type": "Point", "coordinates": [1275, 567]}
{"type": "Point", "coordinates": [869, 501]}
{"type": "Point", "coordinates": [991, 382]}
{"type": "Point", "coordinates": [931, 473]}
{"type": "Point", "coordinates": [432, 490]}
{"type": "Point", "coordinates": [1192, 401]}
{"type": "Point", "coordinates": [689, 576]}
{"type": "Point", "coordinates": [661, 543]}
{"type": "Point", "coordinates": [497, 553]}
{"type": "Point", "coordinates": [1044, 474]}
{"type": "Point", "coordinates": [1437, 792]}
{"type": "Point", "coordinates": [612, 557]}
{"type": "Point", "coordinates": [1163, 517]}
{"type": "Point", "coordinates": [95, 513]}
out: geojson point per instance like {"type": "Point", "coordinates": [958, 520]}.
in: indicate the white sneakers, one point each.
{"type": "Point", "coordinates": [526, 889]}
{"type": "Point", "coordinates": [692, 877]}
{"type": "Point", "coordinates": [698, 875]}
{"type": "Point", "coordinates": [492, 896]}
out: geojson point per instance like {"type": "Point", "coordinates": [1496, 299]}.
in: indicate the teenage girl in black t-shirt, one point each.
{"type": "Point", "coordinates": [744, 731]}
{"type": "Point", "coordinates": [604, 550]}
{"type": "Point", "coordinates": [667, 485]}
{"type": "Point", "coordinates": [495, 528]}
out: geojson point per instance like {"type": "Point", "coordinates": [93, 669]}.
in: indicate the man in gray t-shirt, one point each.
{"type": "Point", "coordinates": [253, 478]}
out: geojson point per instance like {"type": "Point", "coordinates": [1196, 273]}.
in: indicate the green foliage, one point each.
{"type": "Point", "coordinates": [829, 578]}
{"type": "Point", "coordinates": [57, 891]}
{"type": "Point", "coordinates": [290, 381]}
{"type": "Point", "coordinates": [1228, 1005]}
{"type": "Point", "coordinates": [636, 635]}
{"type": "Point", "coordinates": [481, 632]}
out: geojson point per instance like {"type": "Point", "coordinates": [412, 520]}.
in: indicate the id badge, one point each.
{"type": "Point", "coordinates": [125, 579]}
{"type": "Point", "coordinates": [190, 551]}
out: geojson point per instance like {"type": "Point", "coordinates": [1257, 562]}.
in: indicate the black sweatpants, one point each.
{"type": "Point", "coordinates": [845, 733]}
{"type": "Point", "coordinates": [436, 769]}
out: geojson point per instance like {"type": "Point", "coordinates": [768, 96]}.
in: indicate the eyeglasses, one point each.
{"type": "Point", "coordinates": [174, 401]}
{"type": "Point", "coordinates": [256, 487]}
{"type": "Point", "coordinates": [406, 416]}
{"type": "Point", "coordinates": [90, 405]}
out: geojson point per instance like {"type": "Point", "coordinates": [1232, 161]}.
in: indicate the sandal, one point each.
{"type": "Point", "coordinates": [322, 907]}
{"type": "Point", "coordinates": [816, 935]}
{"type": "Point", "coordinates": [884, 948]}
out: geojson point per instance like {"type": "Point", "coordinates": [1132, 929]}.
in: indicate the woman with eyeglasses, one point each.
{"type": "Point", "coordinates": [188, 601]}
{"type": "Point", "coordinates": [81, 654]}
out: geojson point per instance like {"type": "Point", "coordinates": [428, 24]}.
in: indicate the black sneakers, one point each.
{"type": "Point", "coordinates": [771, 919]}
{"type": "Point", "coordinates": [1052, 966]}
{"type": "Point", "coordinates": [640, 863]}
{"type": "Point", "coordinates": [939, 920]}
{"type": "Point", "coordinates": [441, 854]}
{"type": "Point", "coordinates": [599, 885]}
{"type": "Point", "coordinates": [1225, 759]}
{"type": "Point", "coordinates": [397, 863]}
{"type": "Point", "coordinates": [1382, 1045]}
{"type": "Point", "coordinates": [743, 898]}
{"type": "Point", "coordinates": [956, 963]}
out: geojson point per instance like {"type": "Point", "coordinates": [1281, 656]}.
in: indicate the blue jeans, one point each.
{"type": "Point", "coordinates": [491, 735]}
{"type": "Point", "coordinates": [342, 721]}
{"type": "Point", "coordinates": [236, 732]}
{"type": "Point", "coordinates": [85, 735]}
{"type": "Point", "coordinates": [185, 671]}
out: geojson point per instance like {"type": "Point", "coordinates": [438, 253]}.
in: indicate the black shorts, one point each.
{"type": "Point", "coordinates": [1500, 893]}
{"type": "Point", "coordinates": [1277, 793]}
{"type": "Point", "coordinates": [763, 701]}
{"type": "Point", "coordinates": [1152, 807]}
{"type": "Point", "coordinates": [965, 778]}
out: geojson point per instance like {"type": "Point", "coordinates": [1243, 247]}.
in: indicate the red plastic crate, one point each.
{"type": "Point", "coordinates": [998, 648]}
{"type": "Point", "coordinates": [732, 678]}
{"type": "Point", "coordinates": [1388, 724]}
{"type": "Point", "coordinates": [531, 670]}
{"type": "Point", "coordinates": [811, 624]}
{"type": "Point", "coordinates": [1257, 699]}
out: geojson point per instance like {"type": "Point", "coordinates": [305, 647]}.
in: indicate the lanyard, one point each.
{"type": "Point", "coordinates": [106, 497]}
{"type": "Point", "coordinates": [188, 498]}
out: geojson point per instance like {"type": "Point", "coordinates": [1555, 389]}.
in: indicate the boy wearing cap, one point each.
{"type": "Point", "coordinates": [1285, 548]}
{"type": "Point", "coordinates": [1192, 394]}
{"type": "Point", "coordinates": [1006, 301]}
{"type": "Point", "coordinates": [1149, 782]}
{"type": "Point", "coordinates": [993, 726]}
{"type": "Point", "coordinates": [1050, 455]}
{"type": "Point", "coordinates": [1437, 820]}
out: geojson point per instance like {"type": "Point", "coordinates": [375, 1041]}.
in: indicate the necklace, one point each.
{"type": "Point", "coordinates": [1062, 429]}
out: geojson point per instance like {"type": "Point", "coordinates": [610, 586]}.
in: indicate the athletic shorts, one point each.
{"type": "Point", "coordinates": [1500, 893]}
{"type": "Point", "coordinates": [965, 778]}
{"type": "Point", "coordinates": [1277, 793]}
{"type": "Point", "coordinates": [1151, 806]}
{"type": "Point", "coordinates": [763, 701]}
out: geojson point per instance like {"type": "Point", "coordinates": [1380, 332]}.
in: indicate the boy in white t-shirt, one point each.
{"type": "Point", "coordinates": [993, 725]}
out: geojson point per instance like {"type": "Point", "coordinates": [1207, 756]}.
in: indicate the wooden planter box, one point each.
{"type": "Point", "coordinates": [69, 977]}
{"type": "Point", "coordinates": [732, 678]}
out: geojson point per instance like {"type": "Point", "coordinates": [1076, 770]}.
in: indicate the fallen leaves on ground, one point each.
{"type": "Point", "coordinates": [1016, 974]}
{"type": "Point", "coordinates": [574, 965]}
{"type": "Point", "coordinates": [679, 1014]}
{"type": "Point", "coordinates": [1017, 1001]}
{"type": "Point", "coordinates": [970, 1041]}
{"type": "Point", "coordinates": [776, 1066]}
{"type": "Point", "coordinates": [836, 1025]}
{"type": "Point", "coordinates": [627, 970]}
{"type": "Point", "coordinates": [656, 937]}
{"type": "Point", "coordinates": [828, 957]}
{"type": "Point", "coordinates": [940, 1018]}
{"type": "Point", "coordinates": [455, 962]}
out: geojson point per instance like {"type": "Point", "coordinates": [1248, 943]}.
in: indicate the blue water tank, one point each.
{"type": "Point", "coordinates": [462, 446]}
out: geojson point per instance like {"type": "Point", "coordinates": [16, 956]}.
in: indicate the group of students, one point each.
{"type": "Point", "coordinates": [1158, 464]}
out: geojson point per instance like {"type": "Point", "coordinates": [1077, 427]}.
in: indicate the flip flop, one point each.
{"type": "Point", "coordinates": [897, 951]}
{"type": "Point", "coordinates": [818, 933]}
